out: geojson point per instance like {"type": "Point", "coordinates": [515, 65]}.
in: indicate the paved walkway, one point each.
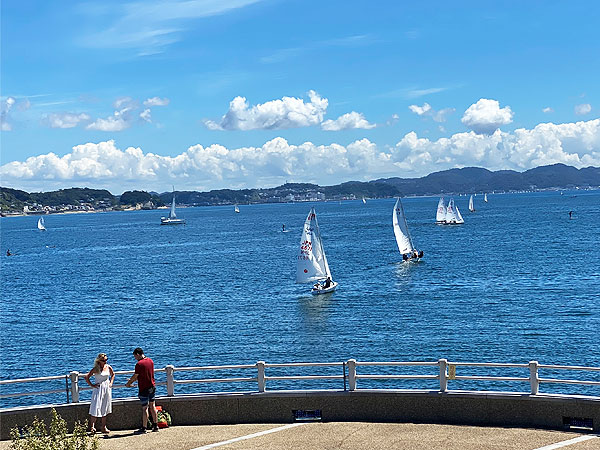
{"type": "Point", "coordinates": [346, 436]}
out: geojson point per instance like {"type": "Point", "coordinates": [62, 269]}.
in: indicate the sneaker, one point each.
{"type": "Point", "coordinates": [141, 431]}
{"type": "Point", "coordinates": [155, 428]}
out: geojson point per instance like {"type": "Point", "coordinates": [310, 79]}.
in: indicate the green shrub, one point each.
{"type": "Point", "coordinates": [38, 437]}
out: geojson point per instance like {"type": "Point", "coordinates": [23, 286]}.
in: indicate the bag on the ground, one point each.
{"type": "Point", "coordinates": [164, 418]}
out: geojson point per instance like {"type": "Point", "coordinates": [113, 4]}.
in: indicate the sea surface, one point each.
{"type": "Point", "coordinates": [519, 281]}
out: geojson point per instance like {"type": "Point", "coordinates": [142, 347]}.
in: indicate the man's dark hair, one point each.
{"type": "Point", "coordinates": [138, 351]}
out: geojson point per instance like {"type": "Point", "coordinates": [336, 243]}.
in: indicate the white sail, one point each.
{"type": "Point", "coordinates": [485, 198]}
{"type": "Point", "coordinates": [450, 212]}
{"type": "Point", "coordinates": [471, 206]}
{"type": "Point", "coordinates": [172, 214]}
{"type": "Point", "coordinates": [440, 216]}
{"type": "Point", "coordinates": [312, 262]}
{"type": "Point", "coordinates": [459, 218]}
{"type": "Point", "coordinates": [236, 209]}
{"type": "Point", "coordinates": [41, 226]}
{"type": "Point", "coordinates": [401, 229]}
{"type": "Point", "coordinates": [364, 200]}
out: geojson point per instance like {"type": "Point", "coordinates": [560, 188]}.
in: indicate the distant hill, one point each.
{"type": "Point", "coordinates": [475, 179]}
{"type": "Point", "coordinates": [468, 179]}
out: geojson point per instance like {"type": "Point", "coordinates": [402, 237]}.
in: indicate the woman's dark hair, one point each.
{"type": "Point", "coordinates": [138, 351]}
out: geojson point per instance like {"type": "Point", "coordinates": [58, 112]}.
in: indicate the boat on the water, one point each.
{"type": "Point", "coordinates": [453, 216]}
{"type": "Point", "coordinates": [364, 200]}
{"type": "Point", "coordinates": [485, 198]}
{"type": "Point", "coordinates": [236, 209]}
{"type": "Point", "coordinates": [471, 205]}
{"type": "Point", "coordinates": [312, 264]}
{"type": "Point", "coordinates": [440, 215]}
{"type": "Point", "coordinates": [41, 225]}
{"type": "Point", "coordinates": [172, 219]}
{"type": "Point", "coordinates": [403, 239]}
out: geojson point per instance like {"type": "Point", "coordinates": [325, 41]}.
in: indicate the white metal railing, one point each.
{"type": "Point", "coordinates": [445, 372]}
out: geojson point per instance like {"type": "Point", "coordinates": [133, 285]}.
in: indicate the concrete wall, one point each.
{"type": "Point", "coordinates": [468, 408]}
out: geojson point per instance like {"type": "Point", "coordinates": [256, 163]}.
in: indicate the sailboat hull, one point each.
{"type": "Point", "coordinates": [317, 291]}
{"type": "Point", "coordinates": [169, 221]}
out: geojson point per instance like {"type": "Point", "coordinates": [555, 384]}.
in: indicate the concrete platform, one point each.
{"type": "Point", "coordinates": [344, 435]}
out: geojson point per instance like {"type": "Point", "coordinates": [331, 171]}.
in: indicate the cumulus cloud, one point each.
{"type": "Point", "coordinates": [122, 119]}
{"type": "Point", "coordinates": [347, 121]}
{"type": "Point", "coordinates": [583, 109]}
{"type": "Point", "coordinates": [288, 112]}
{"type": "Point", "coordinates": [156, 101]}
{"type": "Point", "coordinates": [105, 165]}
{"type": "Point", "coordinates": [547, 110]}
{"type": "Point", "coordinates": [486, 116]}
{"type": "Point", "coordinates": [427, 110]}
{"type": "Point", "coordinates": [65, 120]}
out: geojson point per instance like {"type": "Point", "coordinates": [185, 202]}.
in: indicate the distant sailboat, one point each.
{"type": "Point", "coordinates": [440, 216]}
{"type": "Point", "coordinates": [485, 198]}
{"type": "Point", "coordinates": [41, 226]}
{"type": "Point", "coordinates": [172, 219]}
{"type": "Point", "coordinates": [471, 205]}
{"type": "Point", "coordinates": [453, 216]}
{"type": "Point", "coordinates": [312, 263]}
{"type": "Point", "coordinates": [364, 200]}
{"type": "Point", "coordinates": [403, 239]}
{"type": "Point", "coordinates": [236, 209]}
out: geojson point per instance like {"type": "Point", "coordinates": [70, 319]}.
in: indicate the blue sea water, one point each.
{"type": "Point", "coordinates": [519, 281]}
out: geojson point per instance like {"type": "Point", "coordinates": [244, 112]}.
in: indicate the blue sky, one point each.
{"type": "Point", "coordinates": [250, 93]}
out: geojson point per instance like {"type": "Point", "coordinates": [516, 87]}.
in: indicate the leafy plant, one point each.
{"type": "Point", "coordinates": [39, 437]}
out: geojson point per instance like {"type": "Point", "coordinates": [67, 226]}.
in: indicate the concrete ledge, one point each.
{"type": "Point", "coordinates": [455, 407]}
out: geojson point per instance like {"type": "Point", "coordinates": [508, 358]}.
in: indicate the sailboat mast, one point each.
{"type": "Point", "coordinates": [318, 231]}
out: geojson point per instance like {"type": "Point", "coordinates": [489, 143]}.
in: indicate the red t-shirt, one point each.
{"type": "Point", "coordinates": [145, 371]}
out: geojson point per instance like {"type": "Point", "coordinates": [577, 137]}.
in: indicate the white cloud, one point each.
{"type": "Point", "coordinates": [583, 109]}
{"type": "Point", "coordinates": [202, 168]}
{"type": "Point", "coordinates": [156, 101]}
{"type": "Point", "coordinates": [122, 119]}
{"type": "Point", "coordinates": [547, 110]}
{"type": "Point", "coordinates": [9, 104]}
{"type": "Point", "coordinates": [427, 110]}
{"type": "Point", "coordinates": [486, 116]}
{"type": "Point", "coordinates": [146, 115]}
{"type": "Point", "coordinates": [151, 26]}
{"type": "Point", "coordinates": [64, 120]}
{"type": "Point", "coordinates": [347, 121]}
{"type": "Point", "coordinates": [289, 112]}
{"type": "Point", "coordinates": [420, 110]}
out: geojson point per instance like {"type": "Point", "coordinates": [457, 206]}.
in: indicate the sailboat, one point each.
{"type": "Point", "coordinates": [453, 216]}
{"type": "Point", "coordinates": [471, 206]}
{"type": "Point", "coordinates": [41, 226]}
{"type": "Point", "coordinates": [312, 263]}
{"type": "Point", "coordinates": [485, 198]}
{"type": "Point", "coordinates": [440, 215]}
{"type": "Point", "coordinates": [403, 239]}
{"type": "Point", "coordinates": [236, 209]}
{"type": "Point", "coordinates": [364, 200]}
{"type": "Point", "coordinates": [172, 219]}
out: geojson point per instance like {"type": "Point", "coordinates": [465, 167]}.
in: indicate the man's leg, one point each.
{"type": "Point", "coordinates": [152, 408]}
{"type": "Point", "coordinates": [144, 416]}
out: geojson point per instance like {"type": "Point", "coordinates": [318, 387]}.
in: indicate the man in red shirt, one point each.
{"type": "Point", "coordinates": [144, 375]}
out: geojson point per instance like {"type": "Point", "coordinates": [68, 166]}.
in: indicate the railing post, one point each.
{"type": "Point", "coordinates": [534, 381]}
{"type": "Point", "coordinates": [260, 366]}
{"type": "Point", "coordinates": [351, 374]}
{"type": "Point", "coordinates": [170, 380]}
{"type": "Point", "coordinates": [443, 363]}
{"type": "Point", "coordinates": [74, 386]}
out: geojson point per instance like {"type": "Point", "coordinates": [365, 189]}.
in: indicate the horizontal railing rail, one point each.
{"type": "Point", "coordinates": [351, 372]}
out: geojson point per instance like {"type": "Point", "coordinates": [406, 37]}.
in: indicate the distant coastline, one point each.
{"type": "Point", "coordinates": [14, 202]}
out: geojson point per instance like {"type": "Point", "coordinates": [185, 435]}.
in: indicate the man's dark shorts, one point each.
{"type": "Point", "coordinates": [147, 395]}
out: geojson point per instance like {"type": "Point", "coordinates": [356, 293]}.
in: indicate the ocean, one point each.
{"type": "Point", "coordinates": [519, 281]}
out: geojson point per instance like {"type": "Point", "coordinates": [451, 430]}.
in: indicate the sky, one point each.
{"type": "Point", "coordinates": [214, 94]}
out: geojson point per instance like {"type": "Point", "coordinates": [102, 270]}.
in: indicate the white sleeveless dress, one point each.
{"type": "Point", "coordinates": [101, 404]}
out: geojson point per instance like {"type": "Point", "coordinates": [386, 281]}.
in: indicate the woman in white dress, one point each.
{"type": "Point", "coordinates": [101, 404]}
